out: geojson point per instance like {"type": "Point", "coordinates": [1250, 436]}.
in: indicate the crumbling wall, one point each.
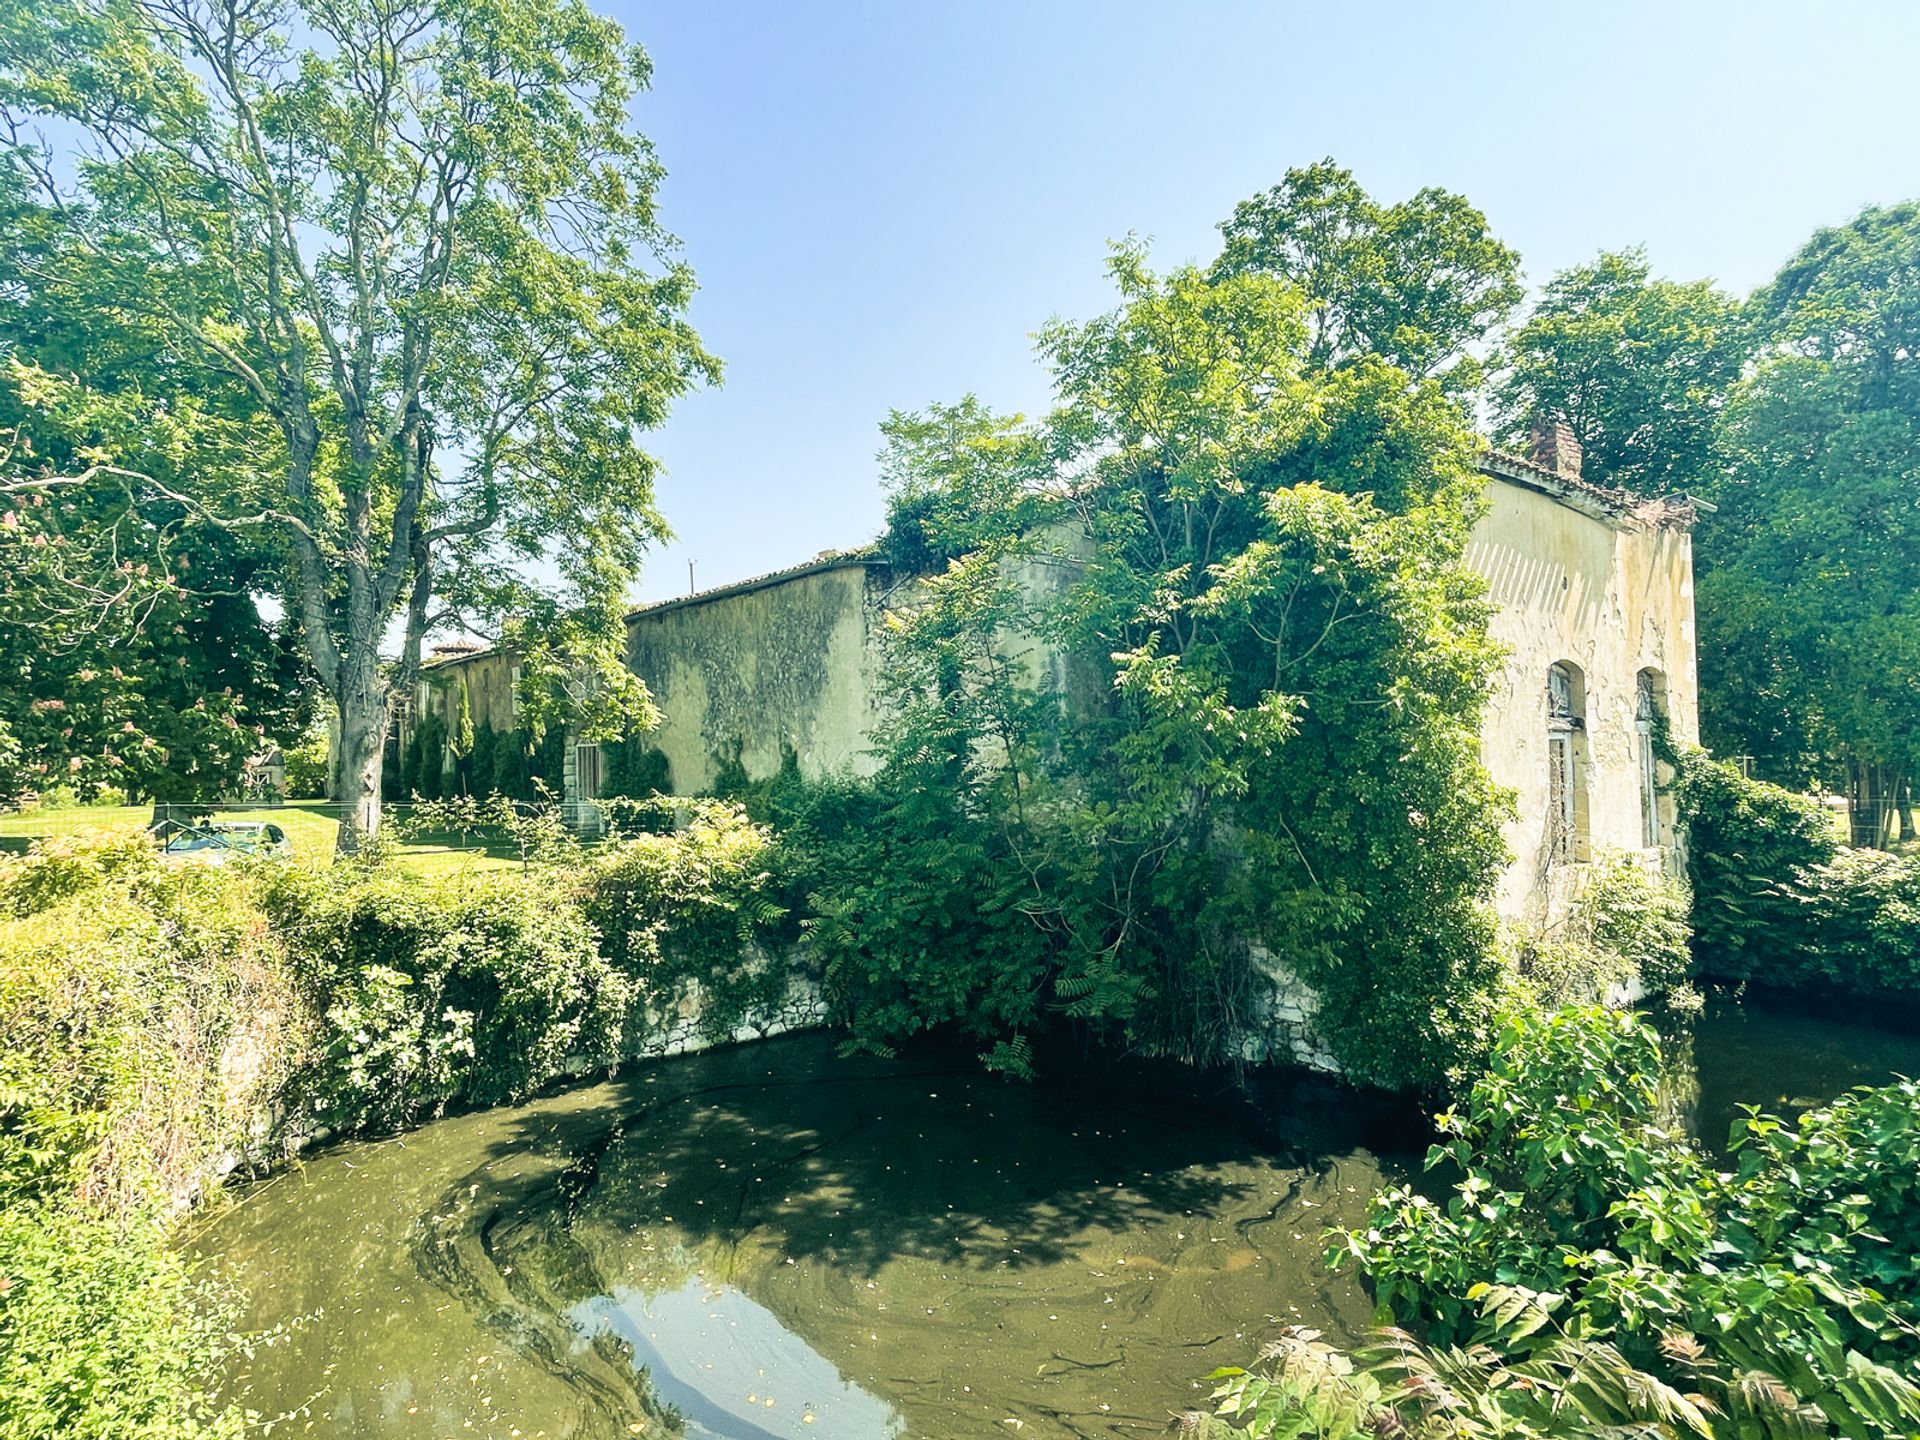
{"type": "Point", "coordinates": [1611, 599]}
{"type": "Point", "coordinates": [792, 665]}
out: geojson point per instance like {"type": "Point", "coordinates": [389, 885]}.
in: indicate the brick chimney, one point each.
{"type": "Point", "coordinates": [1555, 449]}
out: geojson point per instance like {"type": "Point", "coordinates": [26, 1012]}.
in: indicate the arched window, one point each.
{"type": "Point", "coordinates": [1566, 763]}
{"type": "Point", "coordinates": [1649, 708]}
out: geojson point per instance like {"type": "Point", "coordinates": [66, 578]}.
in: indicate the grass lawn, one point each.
{"type": "Point", "coordinates": [310, 826]}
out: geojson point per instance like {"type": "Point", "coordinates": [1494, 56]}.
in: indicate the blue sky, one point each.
{"type": "Point", "coordinates": [884, 201]}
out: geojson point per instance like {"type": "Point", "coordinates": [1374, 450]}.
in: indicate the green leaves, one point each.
{"type": "Point", "coordinates": [419, 243]}
{"type": "Point", "coordinates": [1779, 902]}
{"type": "Point", "coordinates": [1413, 283]}
{"type": "Point", "coordinates": [1193, 671]}
{"type": "Point", "coordinates": [1586, 1248]}
{"type": "Point", "coordinates": [1638, 367]}
{"type": "Point", "coordinates": [1809, 572]}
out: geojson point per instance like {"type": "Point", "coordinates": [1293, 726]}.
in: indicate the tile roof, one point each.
{"type": "Point", "coordinates": [1603, 502]}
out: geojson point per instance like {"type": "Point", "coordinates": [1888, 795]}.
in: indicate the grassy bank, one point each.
{"type": "Point", "coordinates": [311, 827]}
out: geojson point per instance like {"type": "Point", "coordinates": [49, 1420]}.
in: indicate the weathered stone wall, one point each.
{"type": "Point", "coordinates": [683, 1028]}
{"type": "Point", "coordinates": [787, 664]}
{"type": "Point", "coordinates": [489, 680]}
{"type": "Point", "coordinates": [1611, 598]}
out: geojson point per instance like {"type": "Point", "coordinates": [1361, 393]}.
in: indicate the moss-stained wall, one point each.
{"type": "Point", "coordinates": [1611, 598]}
{"type": "Point", "coordinates": [489, 680]}
{"type": "Point", "coordinates": [791, 663]}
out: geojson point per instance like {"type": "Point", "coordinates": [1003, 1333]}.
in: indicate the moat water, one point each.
{"type": "Point", "coordinates": [772, 1242]}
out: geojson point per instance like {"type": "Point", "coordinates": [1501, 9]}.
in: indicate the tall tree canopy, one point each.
{"type": "Point", "coordinates": [1639, 368]}
{"type": "Point", "coordinates": [1414, 284]}
{"type": "Point", "coordinates": [1256, 721]}
{"type": "Point", "coordinates": [1809, 594]}
{"type": "Point", "coordinates": [132, 654]}
{"type": "Point", "coordinates": [422, 235]}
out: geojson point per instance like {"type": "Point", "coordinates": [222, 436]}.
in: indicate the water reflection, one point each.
{"type": "Point", "coordinates": [1786, 1058]}
{"type": "Point", "coordinates": [731, 1370]}
{"type": "Point", "coordinates": [882, 1249]}
{"type": "Point", "coordinates": [892, 1248]}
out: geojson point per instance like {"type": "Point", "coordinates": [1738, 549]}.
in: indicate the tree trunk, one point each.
{"type": "Point", "coordinates": [363, 744]}
{"type": "Point", "coordinates": [1873, 803]}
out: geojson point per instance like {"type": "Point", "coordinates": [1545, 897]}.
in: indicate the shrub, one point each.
{"type": "Point", "coordinates": [435, 989]}
{"type": "Point", "coordinates": [104, 1332]}
{"type": "Point", "coordinates": [481, 989]}
{"type": "Point", "coordinates": [146, 1022]}
{"type": "Point", "coordinates": [1796, 1268]}
{"type": "Point", "coordinates": [1641, 916]}
{"type": "Point", "coordinates": [908, 902]}
{"type": "Point", "coordinates": [1778, 901]}
{"type": "Point", "coordinates": [1627, 924]}
{"type": "Point", "coordinates": [1745, 839]}
{"type": "Point", "coordinates": [692, 908]}
{"type": "Point", "coordinates": [636, 769]}
{"type": "Point", "coordinates": [309, 767]}
{"type": "Point", "coordinates": [146, 1015]}
{"type": "Point", "coordinates": [1851, 925]}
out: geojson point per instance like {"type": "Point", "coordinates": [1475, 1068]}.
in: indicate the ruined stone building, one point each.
{"type": "Point", "coordinates": [1594, 590]}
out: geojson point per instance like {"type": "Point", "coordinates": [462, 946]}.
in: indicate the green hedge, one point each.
{"type": "Point", "coordinates": [1745, 840]}
{"type": "Point", "coordinates": [1779, 902]}
{"type": "Point", "coordinates": [158, 1017]}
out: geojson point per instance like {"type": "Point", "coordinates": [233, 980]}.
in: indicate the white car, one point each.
{"type": "Point", "coordinates": [221, 840]}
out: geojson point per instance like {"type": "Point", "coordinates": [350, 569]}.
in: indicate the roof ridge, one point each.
{"type": "Point", "coordinates": [824, 561]}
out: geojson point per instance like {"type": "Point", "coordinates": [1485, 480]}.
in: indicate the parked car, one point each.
{"type": "Point", "coordinates": [217, 841]}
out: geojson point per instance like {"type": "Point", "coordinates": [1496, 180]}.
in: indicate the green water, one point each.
{"type": "Point", "coordinates": [772, 1243]}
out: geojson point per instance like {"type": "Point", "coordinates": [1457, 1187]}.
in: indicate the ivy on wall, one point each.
{"type": "Point", "coordinates": [1260, 726]}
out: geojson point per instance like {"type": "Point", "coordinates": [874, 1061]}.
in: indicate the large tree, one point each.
{"type": "Point", "coordinates": [1257, 723]}
{"type": "Point", "coordinates": [422, 235]}
{"type": "Point", "coordinates": [132, 652]}
{"type": "Point", "coordinates": [1809, 594]}
{"type": "Point", "coordinates": [1639, 367]}
{"type": "Point", "coordinates": [1415, 283]}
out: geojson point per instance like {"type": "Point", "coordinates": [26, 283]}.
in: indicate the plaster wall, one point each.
{"type": "Point", "coordinates": [489, 678]}
{"type": "Point", "coordinates": [1610, 597]}
{"type": "Point", "coordinates": [793, 664]}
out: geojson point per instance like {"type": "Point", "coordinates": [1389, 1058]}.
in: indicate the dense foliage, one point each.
{"type": "Point", "coordinates": [1638, 367]}
{"type": "Point", "coordinates": [1415, 283]}
{"type": "Point", "coordinates": [146, 1019]}
{"type": "Point", "coordinates": [132, 656]}
{"type": "Point", "coordinates": [515, 764]}
{"type": "Point", "coordinates": [435, 989]}
{"type": "Point", "coordinates": [1794, 414]}
{"type": "Point", "coordinates": [1196, 691]}
{"type": "Point", "coordinates": [1809, 592]}
{"type": "Point", "coordinates": [421, 239]}
{"type": "Point", "coordinates": [1624, 927]}
{"type": "Point", "coordinates": [1779, 902]}
{"type": "Point", "coordinates": [1639, 1284]}
{"type": "Point", "coordinates": [164, 1020]}
{"type": "Point", "coordinates": [1746, 840]}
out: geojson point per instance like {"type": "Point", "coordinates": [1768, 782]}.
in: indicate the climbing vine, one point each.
{"type": "Point", "coordinates": [1194, 693]}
